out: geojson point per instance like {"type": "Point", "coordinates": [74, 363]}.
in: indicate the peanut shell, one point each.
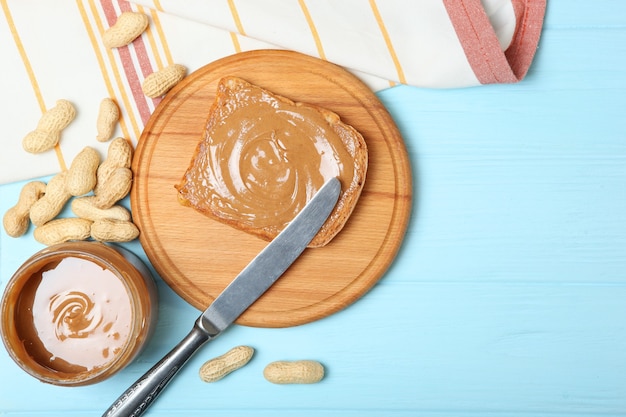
{"type": "Point", "coordinates": [108, 116]}
{"type": "Point", "coordinates": [160, 82]}
{"type": "Point", "coordinates": [127, 28]}
{"type": "Point", "coordinates": [110, 230]}
{"type": "Point", "coordinates": [62, 230]}
{"type": "Point", "coordinates": [81, 177]}
{"type": "Point", "coordinates": [294, 372]}
{"type": "Point", "coordinates": [17, 218]}
{"type": "Point", "coordinates": [217, 368]}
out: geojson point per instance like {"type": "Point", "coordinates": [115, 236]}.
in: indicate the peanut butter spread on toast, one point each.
{"type": "Point", "coordinates": [263, 157]}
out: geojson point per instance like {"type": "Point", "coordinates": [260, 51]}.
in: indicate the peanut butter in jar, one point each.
{"type": "Point", "coordinates": [78, 312]}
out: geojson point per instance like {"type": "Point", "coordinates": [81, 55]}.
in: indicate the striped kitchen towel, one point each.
{"type": "Point", "coordinates": [428, 43]}
{"type": "Point", "coordinates": [54, 50]}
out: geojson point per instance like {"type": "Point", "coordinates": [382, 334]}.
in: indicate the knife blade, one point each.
{"type": "Point", "coordinates": [256, 278]}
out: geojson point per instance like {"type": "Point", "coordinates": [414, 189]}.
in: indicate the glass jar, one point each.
{"type": "Point", "coordinates": [78, 312]}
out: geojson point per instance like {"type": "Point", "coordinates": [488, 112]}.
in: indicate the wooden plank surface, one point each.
{"type": "Point", "coordinates": [508, 297]}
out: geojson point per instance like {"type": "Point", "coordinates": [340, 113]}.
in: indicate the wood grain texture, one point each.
{"type": "Point", "coordinates": [323, 280]}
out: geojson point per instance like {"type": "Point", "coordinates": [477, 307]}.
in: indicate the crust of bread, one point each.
{"type": "Point", "coordinates": [192, 193]}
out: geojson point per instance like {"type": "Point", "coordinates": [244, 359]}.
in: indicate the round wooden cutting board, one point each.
{"type": "Point", "coordinates": [197, 256]}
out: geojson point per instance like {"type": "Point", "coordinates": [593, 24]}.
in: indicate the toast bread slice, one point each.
{"type": "Point", "coordinates": [263, 157]}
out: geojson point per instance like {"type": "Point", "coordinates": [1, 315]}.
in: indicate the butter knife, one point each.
{"type": "Point", "coordinates": [244, 290]}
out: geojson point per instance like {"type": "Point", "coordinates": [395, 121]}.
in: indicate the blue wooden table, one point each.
{"type": "Point", "coordinates": [508, 297]}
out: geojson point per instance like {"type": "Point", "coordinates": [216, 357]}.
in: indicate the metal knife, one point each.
{"type": "Point", "coordinates": [244, 290]}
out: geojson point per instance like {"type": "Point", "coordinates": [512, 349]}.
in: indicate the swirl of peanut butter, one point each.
{"type": "Point", "coordinates": [74, 315]}
{"type": "Point", "coordinates": [81, 313]}
{"type": "Point", "coordinates": [268, 161]}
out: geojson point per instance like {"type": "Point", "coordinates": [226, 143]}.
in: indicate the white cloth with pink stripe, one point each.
{"type": "Point", "coordinates": [53, 50]}
{"type": "Point", "coordinates": [427, 43]}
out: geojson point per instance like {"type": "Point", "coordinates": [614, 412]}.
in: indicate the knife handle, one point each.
{"type": "Point", "coordinates": [139, 396]}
